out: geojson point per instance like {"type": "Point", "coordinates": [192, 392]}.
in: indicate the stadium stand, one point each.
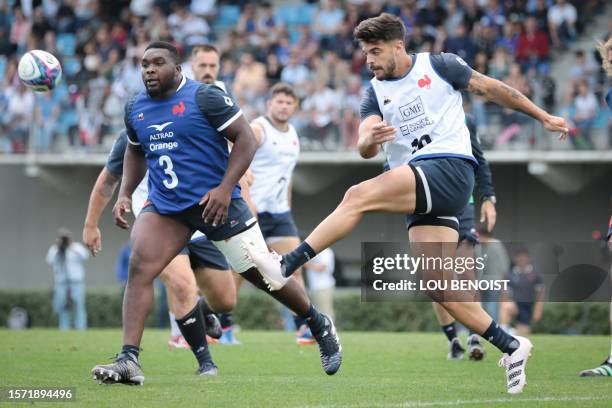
{"type": "Point", "coordinates": [98, 44]}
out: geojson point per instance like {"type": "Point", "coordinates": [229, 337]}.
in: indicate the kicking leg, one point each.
{"type": "Point", "coordinates": [289, 292]}
{"type": "Point", "coordinates": [392, 191]}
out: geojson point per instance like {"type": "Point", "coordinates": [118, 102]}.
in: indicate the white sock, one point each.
{"type": "Point", "coordinates": [174, 329]}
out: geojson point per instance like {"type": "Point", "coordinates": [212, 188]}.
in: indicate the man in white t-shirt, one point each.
{"type": "Point", "coordinates": [562, 22]}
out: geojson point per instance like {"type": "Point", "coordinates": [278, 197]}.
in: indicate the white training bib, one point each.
{"type": "Point", "coordinates": [427, 113]}
{"type": "Point", "coordinates": [272, 168]}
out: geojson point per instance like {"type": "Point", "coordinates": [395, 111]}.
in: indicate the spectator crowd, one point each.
{"type": "Point", "coordinates": [307, 44]}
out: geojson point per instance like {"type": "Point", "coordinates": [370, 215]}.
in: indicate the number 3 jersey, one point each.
{"type": "Point", "coordinates": [181, 138]}
{"type": "Point", "coordinates": [425, 107]}
{"type": "Point", "coordinates": [272, 167]}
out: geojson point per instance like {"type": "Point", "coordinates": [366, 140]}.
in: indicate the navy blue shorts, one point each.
{"type": "Point", "coordinates": [443, 189]}
{"type": "Point", "coordinates": [467, 226]}
{"type": "Point", "coordinates": [239, 218]}
{"type": "Point", "coordinates": [277, 225]}
{"type": "Point", "coordinates": [525, 313]}
{"type": "Point", "coordinates": [204, 254]}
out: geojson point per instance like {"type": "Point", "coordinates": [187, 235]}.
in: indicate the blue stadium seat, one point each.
{"type": "Point", "coordinates": [306, 13]}
{"type": "Point", "coordinates": [2, 67]}
{"type": "Point", "coordinates": [602, 118]}
{"type": "Point", "coordinates": [227, 17]}
{"type": "Point", "coordinates": [288, 14]}
{"type": "Point", "coordinates": [71, 66]}
{"type": "Point", "coordinates": [66, 44]}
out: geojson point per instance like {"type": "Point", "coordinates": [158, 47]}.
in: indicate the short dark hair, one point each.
{"type": "Point", "coordinates": [284, 88]}
{"type": "Point", "coordinates": [204, 48]}
{"type": "Point", "coordinates": [166, 46]}
{"type": "Point", "coordinates": [385, 27]}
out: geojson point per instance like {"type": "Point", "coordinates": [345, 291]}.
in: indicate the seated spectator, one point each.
{"type": "Point", "coordinates": [498, 65]}
{"type": "Point", "coordinates": [494, 13]}
{"type": "Point", "coordinates": [431, 16]}
{"type": "Point", "coordinates": [562, 22]}
{"type": "Point", "coordinates": [586, 108]}
{"type": "Point", "coordinates": [455, 16]}
{"type": "Point", "coordinates": [532, 45]}
{"type": "Point", "coordinates": [19, 116]}
{"type": "Point", "coordinates": [203, 8]}
{"type": "Point", "coordinates": [107, 51]}
{"type": "Point", "coordinates": [250, 76]}
{"type": "Point", "coordinates": [509, 38]}
{"type": "Point", "coordinates": [461, 44]}
{"type": "Point", "coordinates": [583, 68]}
{"type": "Point", "coordinates": [417, 39]}
{"type": "Point", "coordinates": [322, 106]}
{"type": "Point", "coordinates": [273, 69]}
{"type": "Point", "coordinates": [524, 302]}
{"type": "Point", "coordinates": [247, 22]}
{"type": "Point", "coordinates": [540, 13]}
{"type": "Point", "coordinates": [295, 73]}
{"type": "Point", "coordinates": [486, 34]}
{"type": "Point", "coordinates": [20, 30]}
{"type": "Point", "coordinates": [327, 22]}
{"type": "Point", "coordinates": [472, 13]}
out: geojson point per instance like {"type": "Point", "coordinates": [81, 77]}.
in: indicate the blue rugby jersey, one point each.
{"type": "Point", "coordinates": [181, 138]}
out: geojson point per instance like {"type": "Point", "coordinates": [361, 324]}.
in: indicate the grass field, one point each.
{"type": "Point", "coordinates": [270, 370]}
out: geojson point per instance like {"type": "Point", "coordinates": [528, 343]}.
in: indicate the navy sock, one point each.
{"type": "Point", "coordinates": [193, 329]}
{"type": "Point", "coordinates": [450, 331]}
{"type": "Point", "coordinates": [296, 258]}
{"type": "Point", "coordinates": [500, 338]}
{"type": "Point", "coordinates": [298, 321]}
{"type": "Point", "coordinates": [129, 351]}
{"type": "Point", "coordinates": [226, 319]}
{"type": "Point", "coordinates": [315, 320]}
{"type": "Point", "coordinates": [206, 310]}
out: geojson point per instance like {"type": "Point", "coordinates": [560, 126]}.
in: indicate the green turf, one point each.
{"type": "Point", "coordinates": [270, 370]}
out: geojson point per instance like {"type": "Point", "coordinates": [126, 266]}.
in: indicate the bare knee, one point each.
{"type": "Point", "coordinates": [354, 198]}
{"type": "Point", "coordinates": [140, 271]}
{"type": "Point", "coordinates": [224, 304]}
{"type": "Point", "coordinates": [182, 288]}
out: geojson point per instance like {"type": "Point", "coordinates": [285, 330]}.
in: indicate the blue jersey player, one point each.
{"type": "Point", "coordinates": [178, 129]}
{"type": "Point", "coordinates": [414, 112]}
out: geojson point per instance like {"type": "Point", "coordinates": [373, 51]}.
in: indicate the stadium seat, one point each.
{"type": "Point", "coordinates": [66, 44]}
{"type": "Point", "coordinates": [228, 17]}
{"type": "Point", "coordinates": [71, 66]}
{"type": "Point", "coordinates": [289, 14]}
{"type": "Point", "coordinates": [306, 13]}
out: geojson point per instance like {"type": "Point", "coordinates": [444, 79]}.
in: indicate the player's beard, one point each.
{"type": "Point", "coordinates": [390, 69]}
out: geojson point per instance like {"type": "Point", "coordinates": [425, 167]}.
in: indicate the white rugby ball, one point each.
{"type": "Point", "coordinates": [39, 70]}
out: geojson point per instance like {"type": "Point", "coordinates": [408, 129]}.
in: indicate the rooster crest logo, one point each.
{"type": "Point", "coordinates": [425, 82]}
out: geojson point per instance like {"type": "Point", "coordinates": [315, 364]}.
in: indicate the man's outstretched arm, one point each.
{"type": "Point", "coordinates": [508, 97]}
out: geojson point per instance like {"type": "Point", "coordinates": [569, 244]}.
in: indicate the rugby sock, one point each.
{"type": "Point", "coordinates": [298, 321]}
{"type": "Point", "coordinates": [315, 320]}
{"type": "Point", "coordinates": [500, 338]}
{"type": "Point", "coordinates": [226, 319]}
{"type": "Point", "coordinates": [296, 258]}
{"type": "Point", "coordinates": [192, 327]}
{"type": "Point", "coordinates": [129, 351]}
{"type": "Point", "coordinates": [174, 329]}
{"type": "Point", "coordinates": [204, 307]}
{"type": "Point", "coordinates": [450, 331]}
